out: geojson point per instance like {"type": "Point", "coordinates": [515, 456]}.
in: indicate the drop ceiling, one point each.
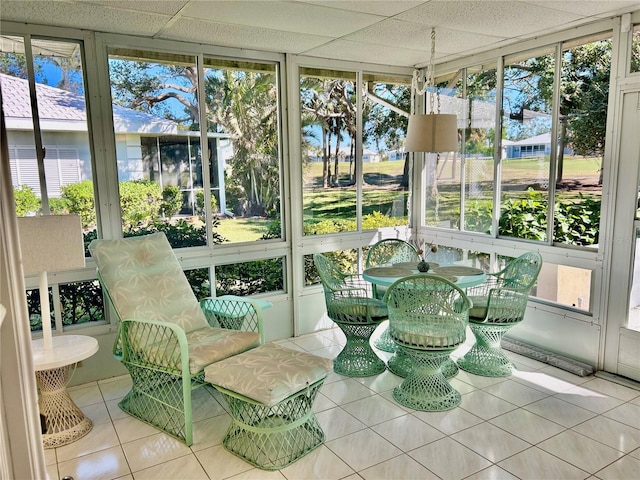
{"type": "Point", "coordinates": [394, 32]}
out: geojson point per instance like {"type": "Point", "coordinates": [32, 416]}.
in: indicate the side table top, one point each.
{"type": "Point", "coordinates": [67, 349]}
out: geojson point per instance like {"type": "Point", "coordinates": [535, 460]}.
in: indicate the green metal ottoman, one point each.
{"type": "Point", "coordinates": [270, 392]}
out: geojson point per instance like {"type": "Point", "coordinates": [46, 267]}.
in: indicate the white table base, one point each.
{"type": "Point", "coordinates": [64, 421]}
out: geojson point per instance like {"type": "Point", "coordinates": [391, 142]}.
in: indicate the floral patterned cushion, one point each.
{"type": "Point", "coordinates": [145, 281]}
{"type": "Point", "coordinates": [209, 345]}
{"type": "Point", "coordinates": [268, 374]}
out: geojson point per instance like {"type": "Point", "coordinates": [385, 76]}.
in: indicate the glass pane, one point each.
{"type": "Point", "coordinates": [584, 96]}
{"type": "Point", "coordinates": [635, 49]}
{"type": "Point", "coordinates": [63, 123]}
{"type": "Point", "coordinates": [444, 170]}
{"type": "Point", "coordinates": [156, 121]}
{"type": "Point", "coordinates": [634, 301]}
{"type": "Point", "coordinates": [526, 145]}
{"type": "Point", "coordinates": [66, 156]}
{"type": "Point", "coordinates": [242, 114]}
{"type": "Point", "coordinates": [384, 164]}
{"type": "Point", "coordinates": [248, 278]}
{"type": "Point", "coordinates": [478, 150]}
{"type": "Point", "coordinates": [328, 109]}
{"type": "Point", "coordinates": [346, 259]}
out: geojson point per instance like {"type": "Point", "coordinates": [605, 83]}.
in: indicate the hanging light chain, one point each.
{"type": "Point", "coordinates": [429, 78]}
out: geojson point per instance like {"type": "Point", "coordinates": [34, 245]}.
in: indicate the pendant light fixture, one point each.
{"type": "Point", "coordinates": [434, 132]}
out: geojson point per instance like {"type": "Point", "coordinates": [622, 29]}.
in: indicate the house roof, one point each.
{"type": "Point", "coordinates": [63, 111]}
{"type": "Point", "coordinates": [542, 139]}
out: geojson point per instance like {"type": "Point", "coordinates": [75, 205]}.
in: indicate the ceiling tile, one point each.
{"type": "Point", "coordinates": [166, 7]}
{"type": "Point", "coordinates": [599, 9]}
{"type": "Point", "coordinates": [386, 8]}
{"type": "Point", "coordinates": [395, 33]}
{"type": "Point", "coordinates": [498, 18]}
{"type": "Point", "coordinates": [239, 36]}
{"type": "Point", "coordinates": [286, 16]}
{"type": "Point", "coordinates": [83, 15]}
{"type": "Point", "coordinates": [366, 52]}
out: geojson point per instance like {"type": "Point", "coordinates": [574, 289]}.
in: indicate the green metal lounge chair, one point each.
{"type": "Point", "coordinates": [166, 337]}
{"type": "Point", "coordinates": [498, 305]}
{"type": "Point", "coordinates": [389, 251]}
{"type": "Point", "coordinates": [428, 317]}
{"type": "Point", "coordinates": [351, 307]}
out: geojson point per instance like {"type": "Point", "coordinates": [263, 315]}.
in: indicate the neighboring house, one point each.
{"type": "Point", "coordinates": [539, 145]}
{"type": "Point", "coordinates": [147, 147]}
{"type": "Point", "coordinates": [344, 154]}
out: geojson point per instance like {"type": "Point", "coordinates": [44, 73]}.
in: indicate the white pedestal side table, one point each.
{"type": "Point", "coordinates": [64, 421]}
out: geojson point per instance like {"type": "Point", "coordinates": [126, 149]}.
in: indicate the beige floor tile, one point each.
{"type": "Point", "coordinates": [187, 467]}
{"type": "Point", "coordinates": [580, 451]}
{"type": "Point", "coordinates": [635, 453]}
{"type": "Point", "coordinates": [218, 463]}
{"type": "Point", "coordinates": [115, 412]}
{"type": "Point", "coordinates": [322, 403]}
{"type": "Point", "coordinates": [210, 432]}
{"type": "Point", "coordinates": [612, 389]}
{"type": "Point", "coordinates": [408, 432]}
{"type": "Point", "coordinates": [516, 393]}
{"type": "Point", "coordinates": [374, 410]}
{"type": "Point", "coordinates": [485, 405]}
{"type": "Point", "coordinates": [100, 437]}
{"type": "Point", "coordinates": [536, 464]}
{"type": "Point", "coordinates": [628, 413]}
{"type": "Point", "coordinates": [154, 450]}
{"type": "Point", "coordinates": [83, 395]}
{"type": "Point", "coordinates": [542, 381]}
{"type": "Point", "coordinates": [478, 381]}
{"type": "Point", "coordinates": [363, 449]}
{"type": "Point", "coordinates": [103, 465]}
{"type": "Point", "coordinates": [130, 428]}
{"type": "Point", "coordinates": [527, 426]}
{"type": "Point", "coordinates": [449, 460]}
{"type": "Point", "coordinates": [614, 434]}
{"type": "Point", "coordinates": [345, 391]}
{"type": "Point", "coordinates": [320, 464]}
{"type": "Point", "coordinates": [384, 382]}
{"type": "Point", "coordinates": [490, 441]}
{"type": "Point", "coordinates": [492, 473]}
{"type": "Point", "coordinates": [623, 469]}
{"type": "Point", "coordinates": [451, 421]}
{"type": "Point", "coordinates": [97, 413]}
{"type": "Point", "coordinates": [590, 399]}
{"type": "Point", "coordinates": [559, 411]}
{"type": "Point", "coordinates": [337, 423]}
{"type": "Point", "coordinates": [52, 472]}
{"type": "Point", "coordinates": [116, 387]}
{"type": "Point", "coordinates": [403, 467]}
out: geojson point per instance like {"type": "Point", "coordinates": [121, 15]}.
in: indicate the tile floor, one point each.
{"type": "Point", "coordinates": [541, 423]}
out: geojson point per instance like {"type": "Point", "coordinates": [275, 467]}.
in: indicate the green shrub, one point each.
{"type": "Point", "coordinates": [575, 223]}
{"type": "Point", "coordinates": [26, 201]}
{"type": "Point", "coordinates": [200, 203]}
{"type": "Point", "coordinates": [78, 198]}
{"type": "Point", "coordinates": [171, 201]}
{"type": "Point", "coordinates": [140, 201]}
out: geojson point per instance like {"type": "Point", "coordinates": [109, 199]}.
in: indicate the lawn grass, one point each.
{"type": "Point", "coordinates": [382, 193]}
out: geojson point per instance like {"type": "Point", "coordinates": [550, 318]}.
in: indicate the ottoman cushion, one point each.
{"type": "Point", "coordinates": [269, 373]}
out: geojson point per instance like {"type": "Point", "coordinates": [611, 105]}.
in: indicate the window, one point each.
{"type": "Point", "coordinates": [527, 106]}
{"type": "Point", "coordinates": [478, 149]}
{"type": "Point", "coordinates": [635, 49]}
{"type": "Point", "coordinates": [59, 145]}
{"type": "Point", "coordinates": [385, 165]}
{"type": "Point", "coordinates": [584, 84]}
{"type": "Point", "coordinates": [329, 110]}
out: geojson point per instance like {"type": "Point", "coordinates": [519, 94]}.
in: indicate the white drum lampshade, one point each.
{"type": "Point", "coordinates": [50, 243]}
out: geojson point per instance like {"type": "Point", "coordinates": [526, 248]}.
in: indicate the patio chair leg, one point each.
{"type": "Point", "coordinates": [426, 388]}
{"type": "Point", "coordinates": [357, 358]}
{"type": "Point", "coordinates": [486, 357]}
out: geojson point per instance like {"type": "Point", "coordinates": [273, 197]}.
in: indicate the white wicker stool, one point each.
{"type": "Point", "coordinates": [270, 392]}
